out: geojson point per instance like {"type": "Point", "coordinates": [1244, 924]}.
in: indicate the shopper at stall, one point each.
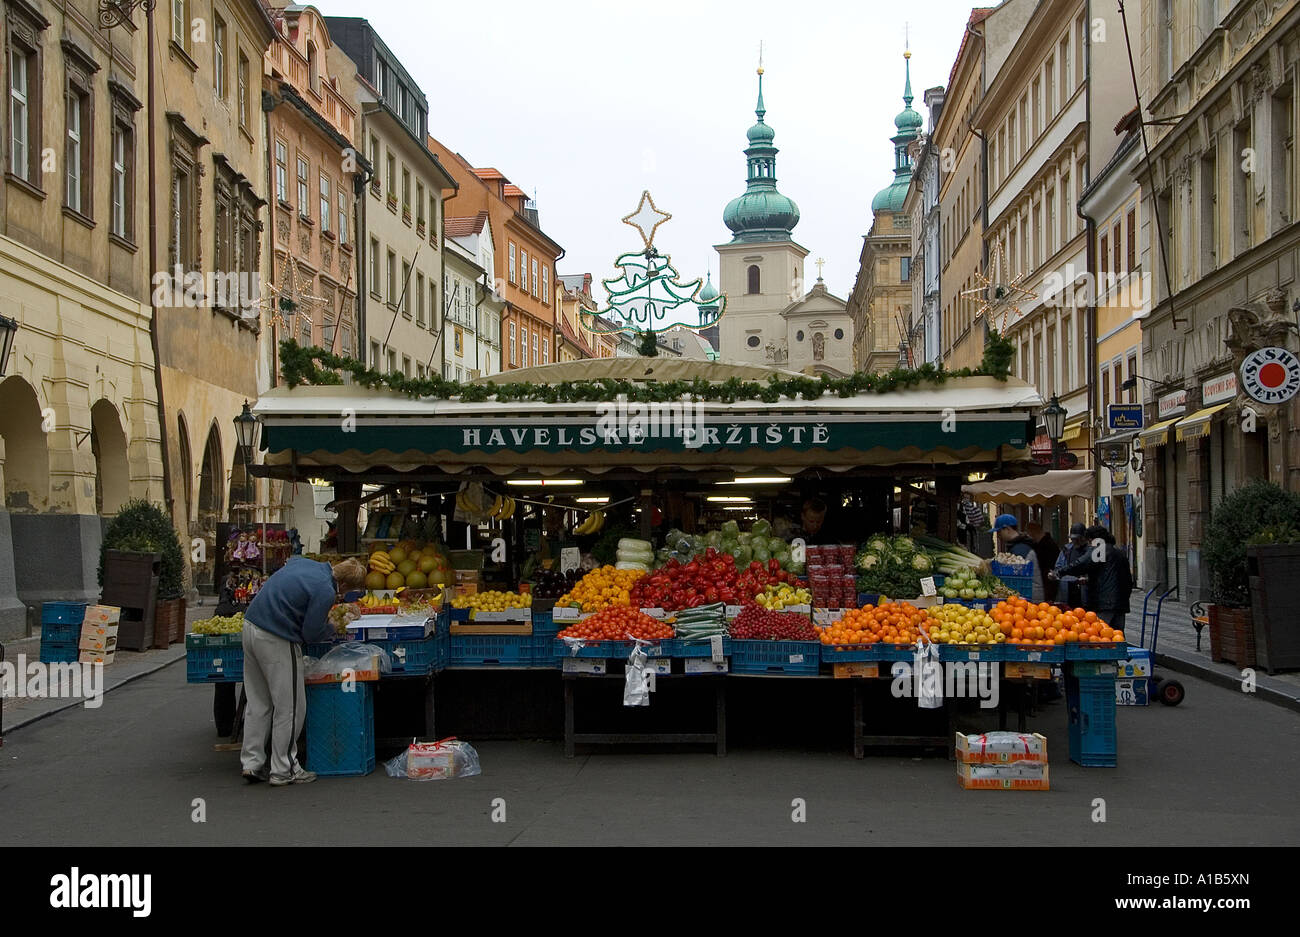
{"type": "Point", "coordinates": [1011, 540]}
{"type": "Point", "coordinates": [290, 609]}
{"type": "Point", "coordinates": [813, 526]}
{"type": "Point", "coordinates": [1074, 550]}
{"type": "Point", "coordinates": [1046, 551]}
{"type": "Point", "coordinates": [1110, 580]}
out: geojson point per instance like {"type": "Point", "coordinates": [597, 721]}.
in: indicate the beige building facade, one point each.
{"type": "Point", "coordinates": [78, 398]}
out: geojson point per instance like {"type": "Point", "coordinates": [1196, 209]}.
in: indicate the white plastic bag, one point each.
{"type": "Point", "coordinates": [350, 658]}
{"type": "Point", "coordinates": [928, 675]}
{"type": "Point", "coordinates": [636, 687]}
{"type": "Point", "coordinates": [435, 761]}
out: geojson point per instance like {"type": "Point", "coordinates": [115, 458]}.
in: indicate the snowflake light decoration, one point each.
{"type": "Point", "coordinates": [1004, 294]}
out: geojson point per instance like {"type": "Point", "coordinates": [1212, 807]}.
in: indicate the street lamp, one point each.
{"type": "Point", "coordinates": [1054, 416]}
{"type": "Point", "coordinates": [246, 427]}
{"type": "Point", "coordinates": [8, 328]}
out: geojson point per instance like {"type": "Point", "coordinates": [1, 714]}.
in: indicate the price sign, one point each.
{"type": "Point", "coordinates": [570, 559]}
{"type": "Point", "coordinates": [927, 586]}
{"type": "Point", "coordinates": [565, 613]}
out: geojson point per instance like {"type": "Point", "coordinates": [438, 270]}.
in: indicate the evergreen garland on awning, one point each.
{"type": "Point", "coordinates": [317, 366]}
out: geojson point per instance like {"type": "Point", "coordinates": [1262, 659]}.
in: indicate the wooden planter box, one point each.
{"type": "Point", "coordinates": [168, 622]}
{"type": "Point", "coordinates": [1232, 635]}
{"type": "Point", "coordinates": [131, 584]}
{"type": "Point", "coordinates": [1274, 572]}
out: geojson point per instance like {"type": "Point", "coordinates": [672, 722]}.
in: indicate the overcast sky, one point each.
{"type": "Point", "coordinates": [587, 103]}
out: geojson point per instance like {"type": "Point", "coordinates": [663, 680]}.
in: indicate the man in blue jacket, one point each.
{"type": "Point", "coordinates": [291, 609]}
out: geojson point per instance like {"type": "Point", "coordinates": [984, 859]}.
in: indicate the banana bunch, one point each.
{"type": "Point", "coordinates": [503, 508]}
{"type": "Point", "coordinates": [380, 563]}
{"type": "Point", "coordinates": [594, 522]}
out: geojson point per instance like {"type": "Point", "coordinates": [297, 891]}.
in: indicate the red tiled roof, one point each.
{"type": "Point", "coordinates": [977, 16]}
{"type": "Point", "coordinates": [515, 191]}
{"type": "Point", "coordinates": [465, 225]}
{"type": "Point", "coordinates": [569, 336]}
{"type": "Point", "coordinates": [489, 174]}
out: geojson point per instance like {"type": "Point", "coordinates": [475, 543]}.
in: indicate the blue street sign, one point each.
{"type": "Point", "coordinates": [1124, 416]}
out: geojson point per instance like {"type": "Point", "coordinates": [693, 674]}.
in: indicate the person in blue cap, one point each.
{"type": "Point", "coordinates": [1007, 529]}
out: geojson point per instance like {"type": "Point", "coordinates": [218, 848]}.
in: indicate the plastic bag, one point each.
{"type": "Point", "coordinates": [636, 687]}
{"type": "Point", "coordinates": [352, 657]}
{"type": "Point", "coordinates": [435, 761]}
{"type": "Point", "coordinates": [929, 676]}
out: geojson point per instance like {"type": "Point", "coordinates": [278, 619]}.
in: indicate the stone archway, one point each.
{"type": "Point", "coordinates": [108, 443]}
{"type": "Point", "coordinates": [26, 448]}
{"type": "Point", "coordinates": [208, 508]}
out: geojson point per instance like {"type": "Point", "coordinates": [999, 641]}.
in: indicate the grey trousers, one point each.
{"type": "Point", "coordinates": [277, 703]}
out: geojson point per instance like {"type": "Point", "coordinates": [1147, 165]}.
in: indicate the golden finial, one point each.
{"type": "Point", "coordinates": [907, 41]}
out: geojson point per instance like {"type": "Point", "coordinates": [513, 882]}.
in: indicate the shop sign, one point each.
{"type": "Point", "coordinates": [1271, 375]}
{"type": "Point", "coordinates": [1216, 389]}
{"type": "Point", "coordinates": [1124, 416]}
{"type": "Point", "coordinates": [1118, 478]}
{"type": "Point", "coordinates": [1172, 404]}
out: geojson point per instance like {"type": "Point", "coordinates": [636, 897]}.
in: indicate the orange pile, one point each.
{"type": "Point", "coordinates": [1025, 622]}
{"type": "Point", "coordinates": [891, 623]}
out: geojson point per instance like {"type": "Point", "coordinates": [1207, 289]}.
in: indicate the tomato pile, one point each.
{"type": "Point", "coordinates": [758, 624]}
{"type": "Point", "coordinates": [710, 578]}
{"type": "Point", "coordinates": [617, 624]}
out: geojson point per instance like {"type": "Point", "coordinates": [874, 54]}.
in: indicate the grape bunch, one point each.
{"type": "Point", "coordinates": [221, 624]}
{"type": "Point", "coordinates": [341, 615]}
{"type": "Point", "coordinates": [758, 624]}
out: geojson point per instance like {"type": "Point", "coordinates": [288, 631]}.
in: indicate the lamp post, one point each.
{"type": "Point", "coordinates": [1054, 416]}
{"type": "Point", "coordinates": [8, 328]}
{"type": "Point", "coordinates": [246, 427]}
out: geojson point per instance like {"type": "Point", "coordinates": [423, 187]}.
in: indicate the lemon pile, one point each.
{"type": "Point", "coordinates": [777, 597]}
{"type": "Point", "coordinates": [493, 601]}
{"type": "Point", "coordinates": [957, 624]}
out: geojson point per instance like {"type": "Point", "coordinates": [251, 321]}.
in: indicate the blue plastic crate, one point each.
{"type": "Point", "coordinates": [60, 652]}
{"type": "Point", "coordinates": [458, 614]}
{"type": "Point", "coordinates": [971, 652]}
{"type": "Point", "coordinates": [544, 623]}
{"type": "Point", "coordinates": [1033, 654]}
{"type": "Point", "coordinates": [340, 730]}
{"type": "Point", "coordinates": [514, 650]}
{"type": "Point", "coordinates": [60, 632]}
{"type": "Point", "coordinates": [1021, 585]}
{"type": "Point", "coordinates": [1010, 569]}
{"type": "Point", "coordinates": [676, 648]}
{"type": "Point", "coordinates": [415, 658]}
{"type": "Point", "coordinates": [214, 664]}
{"type": "Point", "coordinates": [542, 650]}
{"type": "Point", "coordinates": [1091, 703]}
{"type": "Point", "coordinates": [605, 649]}
{"type": "Point", "coordinates": [63, 613]}
{"type": "Point", "coordinates": [1076, 651]}
{"type": "Point", "coordinates": [213, 640]}
{"type": "Point", "coordinates": [850, 654]}
{"type": "Point", "coordinates": [776, 657]}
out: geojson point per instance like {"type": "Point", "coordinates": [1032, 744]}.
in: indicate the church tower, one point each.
{"type": "Point", "coordinates": [761, 270]}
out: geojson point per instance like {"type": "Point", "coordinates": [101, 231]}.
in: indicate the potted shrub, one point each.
{"type": "Point", "coordinates": [140, 544]}
{"type": "Point", "coordinates": [1240, 516]}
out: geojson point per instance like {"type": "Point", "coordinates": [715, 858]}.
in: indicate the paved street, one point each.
{"type": "Point", "coordinates": [1217, 770]}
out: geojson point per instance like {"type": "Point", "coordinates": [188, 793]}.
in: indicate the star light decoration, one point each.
{"type": "Point", "coordinates": [1003, 293]}
{"type": "Point", "coordinates": [646, 216]}
{"type": "Point", "coordinates": [292, 294]}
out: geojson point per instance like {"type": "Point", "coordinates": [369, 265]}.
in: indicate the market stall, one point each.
{"type": "Point", "coordinates": [529, 469]}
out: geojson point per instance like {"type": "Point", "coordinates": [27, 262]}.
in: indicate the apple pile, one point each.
{"type": "Point", "coordinates": [759, 624]}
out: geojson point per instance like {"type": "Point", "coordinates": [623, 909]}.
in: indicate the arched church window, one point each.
{"type": "Point", "coordinates": [753, 279]}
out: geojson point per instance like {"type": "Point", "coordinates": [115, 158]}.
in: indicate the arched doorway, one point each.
{"type": "Point", "coordinates": [186, 465]}
{"type": "Point", "coordinates": [108, 443]}
{"type": "Point", "coordinates": [27, 457]}
{"type": "Point", "coordinates": [208, 509]}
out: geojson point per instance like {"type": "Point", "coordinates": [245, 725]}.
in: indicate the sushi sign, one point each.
{"type": "Point", "coordinates": [1271, 375]}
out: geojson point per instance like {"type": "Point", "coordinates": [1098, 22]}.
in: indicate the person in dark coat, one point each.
{"type": "Point", "coordinates": [1110, 580]}
{"type": "Point", "coordinates": [1075, 549]}
{"type": "Point", "coordinates": [1046, 551]}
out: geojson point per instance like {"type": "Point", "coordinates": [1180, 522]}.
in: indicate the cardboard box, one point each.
{"type": "Point", "coordinates": [1132, 692]}
{"type": "Point", "coordinates": [1137, 665]}
{"type": "Point", "coordinates": [1022, 776]}
{"type": "Point", "coordinates": [492, 627]}
{"type": "Point", "coordinates": [1001, 748]}
{"type": "Point", "coordinates": [867, 669]}
{"type": "Point", "coordinates": [96, 657]}
{"type": "Point", "coordinates": [1016, 670]}
{"type": "Point", "coordinates": [102, 615]}
{"type": "Point", "coordinates": [98, 643]}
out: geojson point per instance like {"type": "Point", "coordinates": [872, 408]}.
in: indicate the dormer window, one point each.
{"type": "Point", "coordinates": [313, 73]}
